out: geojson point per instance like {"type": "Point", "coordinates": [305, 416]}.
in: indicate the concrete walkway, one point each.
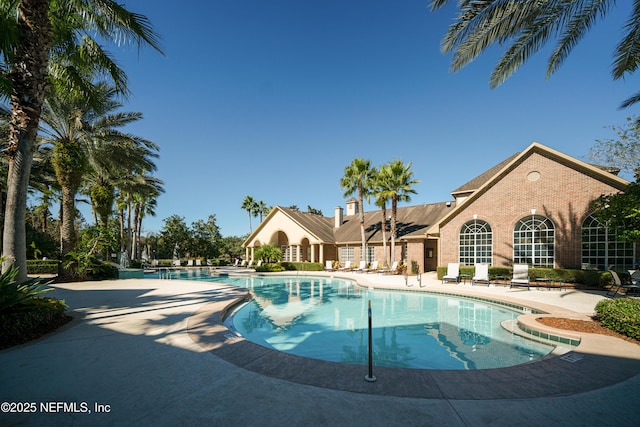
{"type": "Point", "coordinates": [151, 352]}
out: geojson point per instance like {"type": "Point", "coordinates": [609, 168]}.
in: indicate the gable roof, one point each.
{"type": "Point", "coordinates": [486, 180]}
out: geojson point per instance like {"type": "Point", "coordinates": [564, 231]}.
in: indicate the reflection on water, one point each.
{"type": "Point", "coordinates": [327, 319]}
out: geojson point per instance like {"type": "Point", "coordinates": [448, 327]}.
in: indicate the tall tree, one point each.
{"type": "Point", "coordinates": [400, 183]}
{"type": "Point", "coordinates": [249, 205]}
{"type": "Point", "coordinates": [33, 32]}
{"type": "Point", "coordinates": [357, 179]}
{"type": "Point", "coordinates": [85, 135]}
{"type": "Point", "coordinates": [382, 194]}
{"type": "Point", "coordinates": [528, 26]}
{"type": "Point", "coordinates": [623, 152]}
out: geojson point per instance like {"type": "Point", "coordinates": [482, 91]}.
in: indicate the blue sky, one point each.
{"type": "Point", "coordinates": [273, 99]}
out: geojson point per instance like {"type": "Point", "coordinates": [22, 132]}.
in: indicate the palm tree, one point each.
{"type": "Point", "coordinates": [530, 25]}
{"type": "Point", "coordinates": [87, 137]}
{"type": "Point", "coordinates": [35, 31]}
{"type": "Point", "coordinates": [262, 209]}
{"type": "Point", "coordinates": [382, 195]}
{"type": "Point", "coordinates": [357, 179]}
{"type": "Point", "coordinates": [400, 181]}
{"type": "Point", "coordinates": [249, 205]}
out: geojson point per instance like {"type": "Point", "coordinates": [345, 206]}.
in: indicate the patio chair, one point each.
{"type": "Point", "coordinates": [520, 276]}
{"type": "Point", "coordinates": [347, 266]}
{"type": "Point", "coordinates": [361, 267]}
{"type": "Point", "coordinates": [392, 270]}
{"type": "Point", "coordinates": [250, 264]}
{"type": "Point", "coordinates": [328, 265]}
{"type": "Point", "coordinates": [621, 281]}
{"type": "Point", "coordinates": [373, 267]}
{"type": "Point", "coordinates": [453, 273]}
{"type": "Point", "coordinates": [482, 275]}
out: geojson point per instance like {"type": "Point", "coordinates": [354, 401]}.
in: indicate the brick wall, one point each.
{"type": "Point", "coordinates": [559, 193]}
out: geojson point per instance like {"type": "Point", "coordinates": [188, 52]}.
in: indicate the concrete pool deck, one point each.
{"type": "Point", "coordinates": [146, 352]}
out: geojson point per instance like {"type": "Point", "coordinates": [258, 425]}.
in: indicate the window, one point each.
{"type": "Point", "coordinates": [371, 254]}
{"type": "Point", "coordinates": [534, 242]}
{"type": "Point", "coordinates": [346, 253]}
{"type": "Point", "coordinates": [476, 243]}
{"type": "Point", "coordinates": [601, 249]}
{"type": "Point", "coordinates": [289, 253]}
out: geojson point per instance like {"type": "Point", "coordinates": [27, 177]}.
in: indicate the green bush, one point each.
{"type": "Point", "coordinates": [586, 278]}
{"type": "Point", "coordinates": [303, 266]}
{"type": "Point", "coordinates": [620, 315]}
{"type": "Point", "coordinates": [20, 326]}
{"type": "Point", "coordinates": [42, 266]}
{"type": "Point", "coordinates": [19, 296]}
{"type": "Point", "coordinates": [270, 268]}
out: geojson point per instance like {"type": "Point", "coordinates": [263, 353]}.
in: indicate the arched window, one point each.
{"type": "Point", "coordinates": [601, 250]}
{"type": "Point", "coordinates": [476, 243]}
{"type": "Point", "coordinates": [534, 242]}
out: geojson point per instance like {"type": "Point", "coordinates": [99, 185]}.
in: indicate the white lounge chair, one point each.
{"type": "Point", "coordinates": [328, 265]}
{"type": "Point", "coordinates": [373, 267]}
{"type": "Point", "coordinates": [392, 270]}
{"type": "Point", "coordinates": [481, 275]}
{"type": "Point", "coordinates": [250, 264]}
{"type": "Point", "coordinates": [361, 267]}
{"type": "Point", "coordinates": [453, 273]}
{"type": "Point", "coordinates": [520, 276]}
{"type": "Point", "coordinates": [347, 266]}
{"type": "Point", "coordinates": [198, 263]}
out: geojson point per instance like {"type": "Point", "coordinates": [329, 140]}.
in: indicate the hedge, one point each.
{"type": "Point", "coordinates": [620, 315]}
{"type": "Point", "coordinates": [578, 277]}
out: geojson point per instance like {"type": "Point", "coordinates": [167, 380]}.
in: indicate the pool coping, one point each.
{"type": "Point", "coordinates": [598, 361]}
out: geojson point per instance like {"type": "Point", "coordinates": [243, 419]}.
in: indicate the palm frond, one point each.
{"type": "Point", "coordinates": [580, 17]}
{"type": "Point", "coordinates": [627, 53]}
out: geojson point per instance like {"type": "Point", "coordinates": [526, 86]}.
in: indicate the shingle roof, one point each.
{"type": "Point", "coordinates": [318, 225]}
{"type": "Point", "coordinates": [411, 222]}
{"type": "Point", "coordinates": [479, 181]}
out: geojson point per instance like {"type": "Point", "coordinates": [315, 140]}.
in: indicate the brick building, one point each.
{"type": "Point", "coordinates": [532, 208]}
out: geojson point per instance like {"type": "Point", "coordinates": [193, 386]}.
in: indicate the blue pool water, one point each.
{"type": "Point", "coordinates": [327, 318]}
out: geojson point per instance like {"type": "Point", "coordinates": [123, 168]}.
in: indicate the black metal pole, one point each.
{"type": "Point", "coordinates": [370, 377]}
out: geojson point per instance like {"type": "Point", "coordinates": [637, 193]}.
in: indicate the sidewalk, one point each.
{"type": "Point", "coordinates": [145, 352]}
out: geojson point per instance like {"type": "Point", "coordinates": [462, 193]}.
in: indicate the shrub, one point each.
{"type": "Point", "coordinates": [270, 268]}
{"type": "Point", "coordinates": [620, 315]}
{"type": "Point", "coordinates": [42, 266]}
{"type": "Point", "coordinates": [20, 326]}
{"type": "Point", "coordinates": [17, 296]}
{"type": "Point", "coordinates": [303, 266]}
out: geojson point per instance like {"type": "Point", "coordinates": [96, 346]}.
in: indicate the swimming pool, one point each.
{"type": "Point", "coordinates": [327, 318]}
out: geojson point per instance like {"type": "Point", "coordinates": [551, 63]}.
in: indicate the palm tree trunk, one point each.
{"type": "Point", "coordinates": [384, 235]}
{"type": "Point", "coordinates": [67, 228]}
{"type": "Point", "coordinates": [362, 235]}
{"type": "Point", "coordinates": [28, 76]}
{"type": "Point", "coordinates": [394, 211]}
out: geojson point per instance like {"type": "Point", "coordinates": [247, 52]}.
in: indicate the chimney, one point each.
{"type": "Point", "coordinates": [352, 206]}
{"type": "Point", "coordinates": [338, 217]}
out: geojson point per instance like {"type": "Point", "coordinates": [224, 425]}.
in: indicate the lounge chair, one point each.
{"type": "Point", "coordinates": [328, 266]}
{"type": "Point", "coordinates": [481, 275]}
{"type": "Point", "coordinates": [621, 281]}
{"type": "Point", "coordinates": [392, 270]}
{"type": "Point", "coordinates": [198, 263]}
{"type": "Point", "coordinates": [520, 276]}
{"type": "Point", "coordinates": [243, 263]}
{"type": "Point", "coordinates": [373, 267]}
{"type": "Point", "coordinates": [453, 273]}
{"type": "Point", "coordinates": [347, 266]}
{"type": "Point", "coordinates": [250, 264]}
{"type": "Point", "coordinates": [190, 263]}
{"type": "Point", "coordinates": [259, 263]}
{"type": "Point", "coordinates": [361, 267]}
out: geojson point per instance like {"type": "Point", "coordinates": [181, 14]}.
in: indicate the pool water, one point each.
{"type": "Point", "coordinates": [327, 318]}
